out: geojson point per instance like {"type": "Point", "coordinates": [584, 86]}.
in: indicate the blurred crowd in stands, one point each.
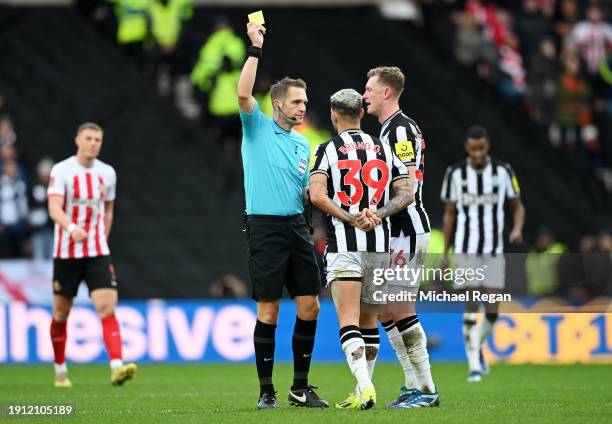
{"type": "Point", "coordinates": [25, 227]}
{"type": "Point", "coordinates": [554, 58]}
{"type": "Point", "coordinates": [552, 269]}
{"type": "Point", "coordinates": [551, 57]}
{"type": "Point", "coordinates": [199, 75]}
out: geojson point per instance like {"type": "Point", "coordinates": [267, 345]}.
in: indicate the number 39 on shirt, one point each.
{"type": "Point", "coordinates": [351, 178]}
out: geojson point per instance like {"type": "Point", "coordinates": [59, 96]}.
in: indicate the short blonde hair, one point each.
{"type": "Point", "coordinates": [391, 76]}
{"type": "Point", "coordinates": [89, 126]}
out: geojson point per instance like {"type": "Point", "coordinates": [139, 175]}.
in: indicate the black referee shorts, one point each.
{"type": "Point", "coordinates": [281, 253]}
{"type": "Point", "coordinates": [97, 272]}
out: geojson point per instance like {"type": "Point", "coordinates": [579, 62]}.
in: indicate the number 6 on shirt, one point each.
{"type": "Point", "coordinates": [350, 179]}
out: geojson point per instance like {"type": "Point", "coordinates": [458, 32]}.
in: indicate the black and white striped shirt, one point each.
{"type": "Point", "coordinates": [359, 170]}
{"type": "Point", "coordinates": [406, 140]}
{"type": "Point", "coordinates": [479, 195]}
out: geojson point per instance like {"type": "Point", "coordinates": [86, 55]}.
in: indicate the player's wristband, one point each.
{"type": "Point", "coordinates": [71, 227]}
{"type": "Point", "coordinates": [255, 51]}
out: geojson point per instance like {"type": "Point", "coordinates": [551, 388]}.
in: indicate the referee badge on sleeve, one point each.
{"type": "Point", "coordinates": [404, 150]}
{"type": "Point", "coordinates": [302, 166]}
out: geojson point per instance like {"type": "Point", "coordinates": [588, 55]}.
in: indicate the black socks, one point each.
{"type": "Point", "coordinates": [263, 338]}
{"type": "Point", "coordinates": [302, 343]}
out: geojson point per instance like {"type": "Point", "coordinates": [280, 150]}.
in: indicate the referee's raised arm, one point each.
{"type": "Point", "coordinates": [246, 101]}
{"type": "Point", "coordinates": [280, 251]}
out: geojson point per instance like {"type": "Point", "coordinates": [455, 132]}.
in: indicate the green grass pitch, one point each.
{"type": "Point", "coordinates": [228, 394]}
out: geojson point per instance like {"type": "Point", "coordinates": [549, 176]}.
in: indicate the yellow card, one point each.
{"type": "Point", "coordinates": [257, 17]}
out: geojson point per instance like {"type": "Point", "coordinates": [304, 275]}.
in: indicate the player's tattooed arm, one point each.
{"type": "Point", "coordinates": [320, 199]}
{"type": "Point", "coordinates": [411, 176]}
{"type": "Point", "coordinates": [402, 198]}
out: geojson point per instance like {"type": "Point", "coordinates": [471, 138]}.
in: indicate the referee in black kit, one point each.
{"type": "Point", "coordinates": [281, 253]}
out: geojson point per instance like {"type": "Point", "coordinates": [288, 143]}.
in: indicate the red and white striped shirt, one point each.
{"type": "Point", "coordinates": [591, 39]}
{"type": "Point", "coordinates": [84, 190]}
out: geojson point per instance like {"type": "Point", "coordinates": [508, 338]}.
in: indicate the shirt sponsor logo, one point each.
{"type": "Point", "coordinates": [515, 184]}
{"type": "Point", "coordinates": [86, 202]}
{"type": "Point", "coordinates": [404, 150]}
{"type": "Point", "coordinates": [483, 199]}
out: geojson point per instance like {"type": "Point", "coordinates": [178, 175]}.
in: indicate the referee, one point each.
{"type": "Point", "coordinates": [280, 251]}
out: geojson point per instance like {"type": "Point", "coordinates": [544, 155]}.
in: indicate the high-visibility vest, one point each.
{"type": "Point", "coordinates": [223, 99]}
{"type": "Point", "coordinates": [434, 256]}
{"type": "Point", "coordinates": [132, 18]}
{"type": "Point", "coordinates": [436, 242]}
{"type": "Point", "coordinates": [166, 22]}
{"type": "Point", "coordinates": [220, 44]}
{"type": "Point", "coordinates": [313, 135]}
{"type": "Point", "coordinates": [604, 68]}
{"type": "Point", "coordinates": [541, 269]}
{"type": "Point", "coordinates": [265, 104]}
{"type": "Point", "coordinates": [186, 8]}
